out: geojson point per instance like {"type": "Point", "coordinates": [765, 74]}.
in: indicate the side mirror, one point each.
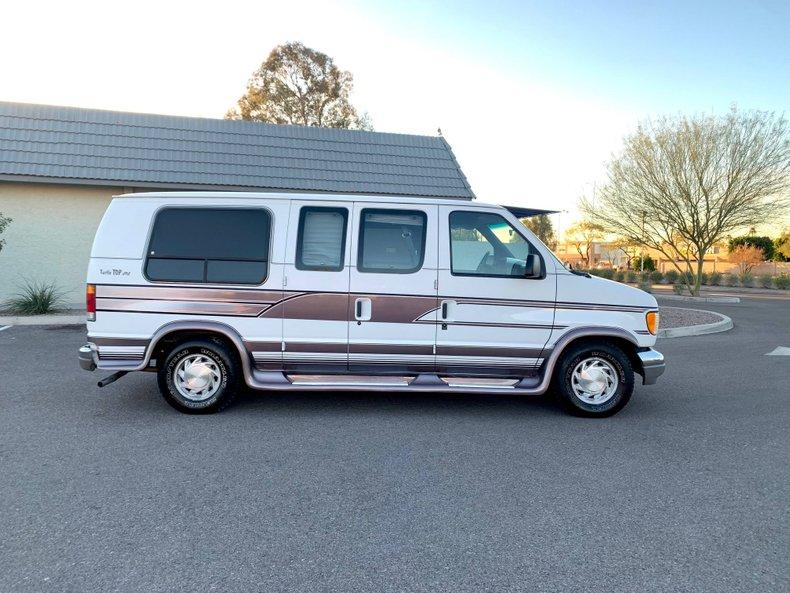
{"type": "Point", "coordinates": [533, 267]}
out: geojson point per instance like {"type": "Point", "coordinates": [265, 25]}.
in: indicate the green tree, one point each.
{"type": "Point", "coordinates": [543, 229]}
{"type": "Point", "coordinates": [764, 243]}
{"type": "Point", "coordinates": [4, 222]}
{"type": "Point", "coordinates": [782, 247]}
{"type": "Point", "coordinates": [302, 86]}
{"type": "Point", "coordinates": [681, 184]}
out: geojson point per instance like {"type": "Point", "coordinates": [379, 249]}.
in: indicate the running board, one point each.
{"type": "Point", "coordinates": [424, 383]}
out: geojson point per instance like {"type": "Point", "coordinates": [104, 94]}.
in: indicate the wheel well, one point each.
{"type": "Point", "coordinates": [166, 343]}
{"type": "Point", "coordinates": [628, 347]}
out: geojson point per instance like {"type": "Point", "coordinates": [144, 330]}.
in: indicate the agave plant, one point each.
{"type": "Point", "coordinates": [35, 298]}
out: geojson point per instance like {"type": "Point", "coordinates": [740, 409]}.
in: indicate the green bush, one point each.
{"type": "Point", "coordinates": [631, 276]}
{"type": "Point", "coordinates": [619, 276]}
{"type": "Point", "coordinates": [646, 285]}
{"type": "Point", "coordinates": [671, 276]}
{"type": "Point", "coordinates": [746, 279]}
{"type": "Point", "coordinates": [704, 278]}
{"type": "Point", "coordinates": [782, 282]}
{"type": "Point", "coordinates": [730, 280]}
{"type": "Point", "coordinates": [650, 263]}
{"type": "Point", "coordinates": [767, 281]}
{"type": "Point", "coordinates": [35, 298]}
{"type": "Point", "coordinates": [678, 288]}
{"type": "Point", "coordinates": [715, 279]}
{"type": "Point", "coordinates": [766, 244]}
{"type": "Point", "coordinates": [656, 277]}
{"type": "Point", "coordinates": [607, 273]}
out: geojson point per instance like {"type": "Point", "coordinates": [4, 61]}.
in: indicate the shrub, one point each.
{"type": "Point", "coordinates": [619, 276]}
{"type": "Point", "coordinates": [767, 281]}
{"type": "Point", "coordinates": [646, 285]}
{"type": "Point", "coordinates": [715, 279]}
{"type": "Point", "coordinates": [746, 278]}
{"type": "Point", "coordinates": [671, 276]}
{"type": "Point", "coordinates": [678, 288]}
{"type": "Point", "coordinates": [35, 298]}
{"type": "Point", "coordinates": [764, 244]}
{"type": "Point", "coordinates": [704, 278]}
{"type": "Point", "coordinates": [631, 276]}
{"type": "Point", "coordinates": [606, 273]}
{"type": "Point", "coordinates": [593, 272]}
{"type": "Point", "coordinates": [656, 277]}
{"type": "Point", "coordinates": [730, 280]}
{"type": "Point", "coordinates": [782, 282]}
{"type": "Point", "coordinates": [650, 263]}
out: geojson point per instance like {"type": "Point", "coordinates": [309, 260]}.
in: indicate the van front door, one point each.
{"type": "Point", "coordinates": [315, 298]}
{"type": "Point", "coordinates": [392, 316]}
{"type": "Point", "coordinates": [493, 320]}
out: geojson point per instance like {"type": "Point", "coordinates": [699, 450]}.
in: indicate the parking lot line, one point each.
{"type": "Point", "coordinates": [779, 351]}
{"type": "Point", "coordinates": [4, 327]}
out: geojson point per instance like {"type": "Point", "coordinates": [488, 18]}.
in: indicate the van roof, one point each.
{"type": "Point", "coordinates": [219, 195]}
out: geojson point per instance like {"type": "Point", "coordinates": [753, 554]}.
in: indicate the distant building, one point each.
{"type": "Point", "coordinates": [60, 166]}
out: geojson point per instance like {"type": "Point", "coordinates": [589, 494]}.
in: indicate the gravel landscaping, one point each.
{"type": "Point", "coordinates": [679, 317]}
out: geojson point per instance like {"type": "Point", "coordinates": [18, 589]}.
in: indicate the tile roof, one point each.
{"type": "Point", "coordinates": [73, 145]}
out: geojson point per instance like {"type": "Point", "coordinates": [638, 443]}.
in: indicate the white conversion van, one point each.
{"type": "Point", "coordinates": [322, 292]}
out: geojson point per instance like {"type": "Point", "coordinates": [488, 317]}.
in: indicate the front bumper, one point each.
{"type": "Point", "coordinates": [653, 365]}
{"type": "Point", "coordinates": [87, 361]}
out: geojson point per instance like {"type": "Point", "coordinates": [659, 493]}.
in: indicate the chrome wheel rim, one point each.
{"type": "Point", "coordinates": [197, 377]}
{"type": "Point", "coordinates": [594, 381]}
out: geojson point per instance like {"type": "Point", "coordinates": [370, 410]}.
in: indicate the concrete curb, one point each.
{"type": "Point", "coordinates": [42, 320]}
{"type": "Point", "coordinates": [723, 325]}
{"type": "Point", "coordinates": [693, 299]}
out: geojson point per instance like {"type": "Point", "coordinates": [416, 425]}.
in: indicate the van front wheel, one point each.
{"type": "Point", "coordinates": [594, 380]}
{"type": "Point", "coordinates": [199, 377]}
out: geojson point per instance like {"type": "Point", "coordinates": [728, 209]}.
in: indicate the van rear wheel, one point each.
{"type": "Point", "coordinates": [199, 377]}
{"type": "Point", "coordinates": [594, 379]}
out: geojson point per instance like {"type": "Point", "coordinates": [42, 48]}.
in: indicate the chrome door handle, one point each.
{"type": "Point", "coordinates": [363, 308]}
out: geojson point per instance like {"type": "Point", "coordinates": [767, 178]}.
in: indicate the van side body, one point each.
{"type": "Point", "coordinates": [360, 292]}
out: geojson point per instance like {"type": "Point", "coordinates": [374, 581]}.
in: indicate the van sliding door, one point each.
{"type": "Point", "coordinates": [392, 327]}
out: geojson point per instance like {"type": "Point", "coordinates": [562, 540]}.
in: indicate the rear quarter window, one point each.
{"type": "Point", "coordinates": [209, 245]}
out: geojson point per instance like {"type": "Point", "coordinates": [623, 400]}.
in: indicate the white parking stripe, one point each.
{"type": "Point", "coordinates": [4, 327]}
{"type": "Point", "coordinates": [779, 351]}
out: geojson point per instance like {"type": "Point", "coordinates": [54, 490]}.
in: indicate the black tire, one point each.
{"type": "Point", "coordinates": [220, 358]}
{"type": "Point", "coordinates": [604, 351]}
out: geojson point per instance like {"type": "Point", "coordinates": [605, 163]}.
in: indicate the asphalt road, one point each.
{"type": "Point", "coordinates": [686, 490]}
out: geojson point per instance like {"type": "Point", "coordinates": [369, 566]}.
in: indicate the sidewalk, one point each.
{"type": "Point", "coordinates": [71, 317]}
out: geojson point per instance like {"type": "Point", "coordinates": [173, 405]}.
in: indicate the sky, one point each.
{"type": "Point", "coordinates": [533, 96]}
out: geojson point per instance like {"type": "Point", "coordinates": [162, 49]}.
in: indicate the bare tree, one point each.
{"type": "Point", "coordinates": [582, 235]}
{"type": "Point", "coordinates": [682, 183]}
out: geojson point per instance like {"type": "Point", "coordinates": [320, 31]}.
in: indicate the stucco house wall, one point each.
{"type": "Point", "coordinates": [51, 235]}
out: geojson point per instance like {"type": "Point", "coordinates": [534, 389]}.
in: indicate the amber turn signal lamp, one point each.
{"type": "Point", "coordinates": [90, 301]}
{"type": "Point", "coordinates": [652, 322]}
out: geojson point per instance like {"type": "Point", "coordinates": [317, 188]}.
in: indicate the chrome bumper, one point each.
{"type": "Point", "coordinates": [653, 366]}
{"type": "Point", "coordinates": [86, 358]}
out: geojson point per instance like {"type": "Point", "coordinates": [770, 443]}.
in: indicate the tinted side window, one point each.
{"type": "Point", "coordinates": [391, 241]}
{"type": "Point", "coordinates": [321, 244]}
{"type": "Point", "coordinates": [485, 244]}
{"type": "Point", "coordinates": [227, 246]}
